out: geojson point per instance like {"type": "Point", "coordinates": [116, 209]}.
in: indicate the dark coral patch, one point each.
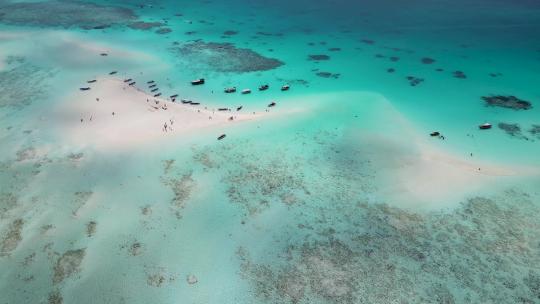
{"type": "Point", "coordinates": [230, 33]}
{"type": "Point", "coordinates": [510, 102]}
{"type": "Point", "coordinates": [394, 59]}
{"type": "Point", "coordinates": [512, 129]}
{"type": "Point", "coordinates": [66, 14]}
{"type": "Point", "coordinates": [328, 75]}
{"type": "Point", "coordinates": [535, 130]}
{"type": "Point", "coordinates": [141, 25]}
{"type": "Point", "coordinates": [224, 57]}
{"type": "Point", "coordinates": [163, 31]}
{"type": "Point", "coordinates": [367, 41]}
{"type": "Point", "coordinates": [459, 74]}
{"type": "Point", "coordinates": [427, 60]}
{"type": "Point", "coordinates": [335, 49]}
{"type": "Point", "coordinates": [318, 57]}
{"type": "Point", "coordinates": [414, 81]}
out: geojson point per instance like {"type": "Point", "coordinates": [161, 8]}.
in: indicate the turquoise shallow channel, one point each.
{"type": "Point", "coordinates": [368, 181]}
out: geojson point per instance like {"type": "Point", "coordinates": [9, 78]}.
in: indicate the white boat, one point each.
{"type": "Point", "coordinates": [485, 126]}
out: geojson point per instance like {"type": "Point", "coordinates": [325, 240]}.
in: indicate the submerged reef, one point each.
{"type": "Point", "coordinates": [414, 81]}
{"type": "Point", "coordinates": [459, 74]}
{"type": "Point", "coordinates": [23, 83]}
{"type": "Point", "coordinates": [328, 75]}
{"type": "Point", "coordinates": [8, 201]}
{"type": "Point", "coordinates": [535, 130]}
{"type": "Point", "coordinates": [510, 102]}
{"type": "Point", "coordinates": [388, 255]}
{"type": "Point", "coordinates": [180, 182]}
{"type": "Point", "coordinates": [427, 60]}
{"type": "Point", "coordinates": [512, 129]}
{"type": "Point", "coordinates": [55, 297]}
{"type": "Point", "coordinates": [65, 14]}
{"type": "Point", "coordinates": [224, 57]}
{"type": "Point", "coordinates": [68, 264]}
{"type": "Point", "coordinates": [164, 30]}
{"type": "Point", "coordinates": [12, 237]}
{"type": "Point", "coordinates": [141, 25]}
{"type": "Point", "coordinates": [318, 57]}
{"type": "Point", "coordinates": [91, 228]}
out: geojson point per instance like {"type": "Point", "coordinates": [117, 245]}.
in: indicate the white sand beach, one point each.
{"type": "Point", "coordinates": [114, 115]}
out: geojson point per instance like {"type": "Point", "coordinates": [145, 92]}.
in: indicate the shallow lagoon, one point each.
{"type": "Point", "coordinates": [307, 208]}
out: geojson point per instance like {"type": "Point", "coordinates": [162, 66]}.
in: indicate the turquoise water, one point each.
{"type": "Point", "coordinates": [299, 208]}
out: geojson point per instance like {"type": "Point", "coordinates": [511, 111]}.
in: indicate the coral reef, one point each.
{"type": "Point", "coordinates": [427, 60]}
{"type": "Point", "coordinates": [86, 15]}
{"type": "Point", "coordinates": [509, 102]}
{"type": "Point", "coordinates": [22, 84]}
{"type": "Point", "coordinates": [328, 75]}
{"type": "Point", "coordinates": [512, 129]}
{"type": "Point", "coordinates": [11, 238]}
{"type": "Point", "coordinates": [68, 264]}
{"type": "Point", "coordinates": [389, 255]}
{"type": "Point", "coordinates": [224, 57]}
{"type": "Point", "coordinates": [318, 57]}
{"type": "Point", "coordinates": [142, 25]}
{"type": "Point", "coordinates": [91, 228]}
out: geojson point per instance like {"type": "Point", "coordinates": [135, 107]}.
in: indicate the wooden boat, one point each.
{"type": "Point", "coordinates": [198, 81]}
{"type": "Point", "coordinates": [184, 101]}
{"type": "Point", "coordinates": [157, 95]}
{"type": "Point", "coordinates": [113, 72]}
{"type": "Point", "coordinates": [272, 104]}
{"type": "Point", "coordinates": [152, 86]}
{"type": "Point", "coordinates": [156, 89]}
{"type": "Point", "coordinates": [223, 109]}
{"type": "Point", "coordinates": [91, 81]}
{"type": "Point", "coordinates": [264, 87]}
{"type": "Point", "coordinates": [485, 126]}
{"type": "Point", "coordinates": [436, 133]}
{"type": "Point", "coordinates": [195, 103]}
{"type": "Point", "coordinates": [150, 82]}
{"type": "Point", "coordinates": [222, 136]}
{"type": "Point", "coordinates": [285, 87]}
{"type": "Point", "coordinates": [246, 91]}
{"type": "Point", "coordinates": [84, 89]}
{"type": "Point", "coordinates": [230, 90]}
{"type": "Point", "coordinates": [239, 108]}
{"type": "Point", "coordinates": [174, 96]}
{"type": "Point", "coordinates": [128, 80]}
{"type": "Point", "coordinates": [132, 83]}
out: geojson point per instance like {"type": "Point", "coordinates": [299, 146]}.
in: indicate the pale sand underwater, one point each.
{"type": "Point", "coordinates": [333, 191]}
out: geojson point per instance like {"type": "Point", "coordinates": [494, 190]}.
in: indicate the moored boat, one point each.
{"type": "Point", "coordinates": [272, 104]}
{"type": "Point", "coordinates": [230, 90]}
{"type": "Point", "coordinates": [246, 91]}
{"type": "Point", "coordinates": [198, 81]}
{"type": "Point", "coordinates": [222, 136]}
{"type": "Point", "coordinates": [264, 87]}
{"type": "Point", "coordinates": [485, 126]}
{"type": "Point", "coordinates": [285, 87]}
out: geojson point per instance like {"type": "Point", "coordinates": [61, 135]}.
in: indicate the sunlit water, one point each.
{"type": "Point", "coordinates": [297, 209]}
